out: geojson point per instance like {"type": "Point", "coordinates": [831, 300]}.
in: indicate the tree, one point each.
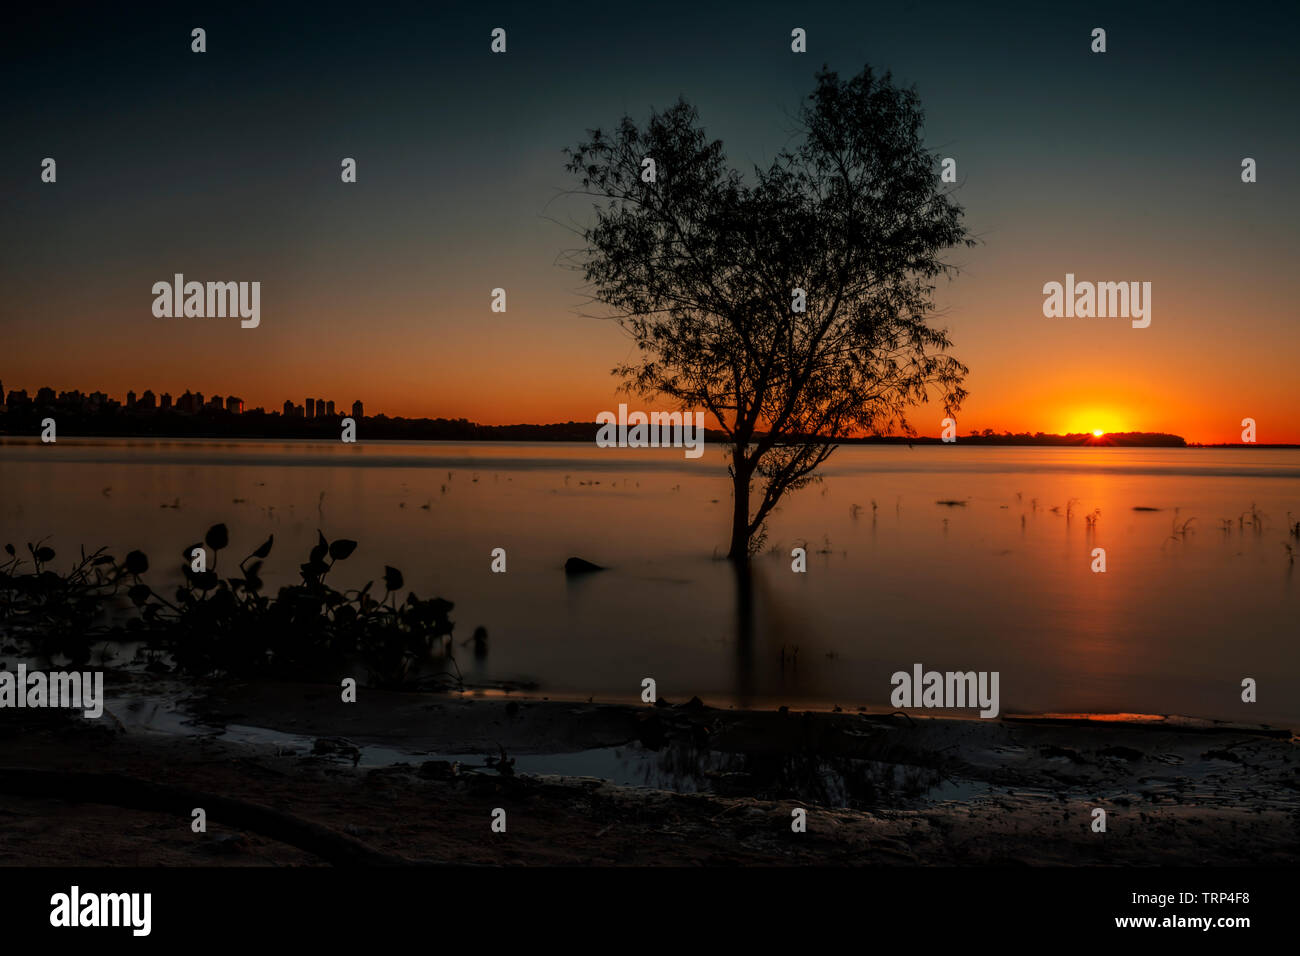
{"type": "Point", "coordinates": [704, 268]}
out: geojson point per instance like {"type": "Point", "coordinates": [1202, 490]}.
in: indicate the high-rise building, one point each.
{"type": "Point", "coordinates": [147, 402]}
{"type": "Point", "coordinates": [329, 409]}
{"type": "Point", "coordinates": [45, 395]}
{"type": "Point", "coordinates": [311, 408]}
{"type": "Point", "coordinates": [166, 401]}
{"type": "Point", "coordinates": [130, 399]}
{"type": "Point", "coordinates": [358, 410]}
{"type": "Point", "coordinates": [234, 405]}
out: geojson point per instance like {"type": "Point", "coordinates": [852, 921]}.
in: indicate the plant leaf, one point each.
{"type": "Point", "coordinates": [342, 548]}
{"type": "Point", "coordinates": [217, 537]}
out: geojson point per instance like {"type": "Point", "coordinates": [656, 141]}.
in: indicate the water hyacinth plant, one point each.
{"type": "Point", "coordinates": [214, 625]}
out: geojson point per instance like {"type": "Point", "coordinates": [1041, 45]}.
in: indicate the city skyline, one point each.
{"type": "Point", "coordinates": [187, 402]}
{"type": "Point", "coordinates": [194, 403]}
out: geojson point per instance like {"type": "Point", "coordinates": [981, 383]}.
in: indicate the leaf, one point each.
{"type": "Point", "coordinates": [342, 548]}
{"type": "Point", "coordinates": [217, 537]}
{"type": "Point", "coordinates": [322, 548]}
{"type": "Point", "coordinates": [9, 549]}
{"type": "Point", "coordinates": [45, 555]}
{"type": "Point", "coordinates": [265, 549]}
{"type": "Point", "coordinates": [137, 562]}
{"type": "Point", "coordinates": [139, 593]}
{"type": "Point", "coordinates": [393, 579]}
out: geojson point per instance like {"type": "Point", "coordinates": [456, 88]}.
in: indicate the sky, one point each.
{"type": "Point", "coordinates": [1122, 166]}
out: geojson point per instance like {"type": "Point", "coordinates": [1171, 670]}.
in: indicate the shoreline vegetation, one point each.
{"type": "Point", "coordinates": [219, 623]}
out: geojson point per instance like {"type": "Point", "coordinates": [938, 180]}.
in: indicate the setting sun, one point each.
{"type": "Point", "coordinates": [1097, 433]}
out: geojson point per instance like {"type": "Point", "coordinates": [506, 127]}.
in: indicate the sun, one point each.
{"type": "Point", "coordinates": [1097, 433]}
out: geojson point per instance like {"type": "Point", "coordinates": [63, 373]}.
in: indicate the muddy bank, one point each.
{"type": "Point", "coordinates": [415, 778]}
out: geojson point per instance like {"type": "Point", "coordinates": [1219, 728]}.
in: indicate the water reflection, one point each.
{"type": "Point", "coordinates": [1000, 582]}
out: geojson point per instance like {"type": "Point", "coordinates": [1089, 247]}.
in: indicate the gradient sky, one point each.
{"type": "Point", "coordinates": [225, 166]}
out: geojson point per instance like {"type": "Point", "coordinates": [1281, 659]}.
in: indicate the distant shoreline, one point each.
{"type": "Point", "coordinates": [712, 439]}
{"type": "Point", "coordinates": [253, 426]}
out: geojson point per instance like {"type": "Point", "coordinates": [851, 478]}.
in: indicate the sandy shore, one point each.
{"type": "Point", "coordinates": [878, 789]}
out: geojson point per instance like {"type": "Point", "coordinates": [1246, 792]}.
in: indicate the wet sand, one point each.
{"type": "Point", "coordinates": [877, 788]}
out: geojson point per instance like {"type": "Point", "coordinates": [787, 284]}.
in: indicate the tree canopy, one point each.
{"type": "Point", "coordinates": [704, 267]}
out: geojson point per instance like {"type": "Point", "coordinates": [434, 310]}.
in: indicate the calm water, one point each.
{"type": "Point", "coordinates": [1000, 583]}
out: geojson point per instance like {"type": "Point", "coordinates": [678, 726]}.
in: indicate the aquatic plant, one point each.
{"type": "Point", "coordinates": [58, 614]}
{"type": "Point", "coordinates": [1179, 531]}
{"type": "Point", "coordinates": [1255, 516]}
{"type": "Point", "coordinates": [226, 626]}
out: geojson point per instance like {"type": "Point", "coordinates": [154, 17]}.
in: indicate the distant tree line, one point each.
{"type": "Point", "coordinates": [120, 422]}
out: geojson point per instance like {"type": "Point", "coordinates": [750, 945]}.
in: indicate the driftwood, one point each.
{"type": "Point", "coordinates": [119, 790]}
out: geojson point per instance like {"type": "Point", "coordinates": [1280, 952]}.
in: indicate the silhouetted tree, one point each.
{"type": "Point", "coordinates": [702, 265]}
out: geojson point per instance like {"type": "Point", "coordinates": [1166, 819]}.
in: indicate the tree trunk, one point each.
{"type": "Point", "coordinates": [740, 515]}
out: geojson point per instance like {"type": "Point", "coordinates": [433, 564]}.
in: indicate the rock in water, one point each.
{"type": "Point", "coordinates": [579, 566]}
